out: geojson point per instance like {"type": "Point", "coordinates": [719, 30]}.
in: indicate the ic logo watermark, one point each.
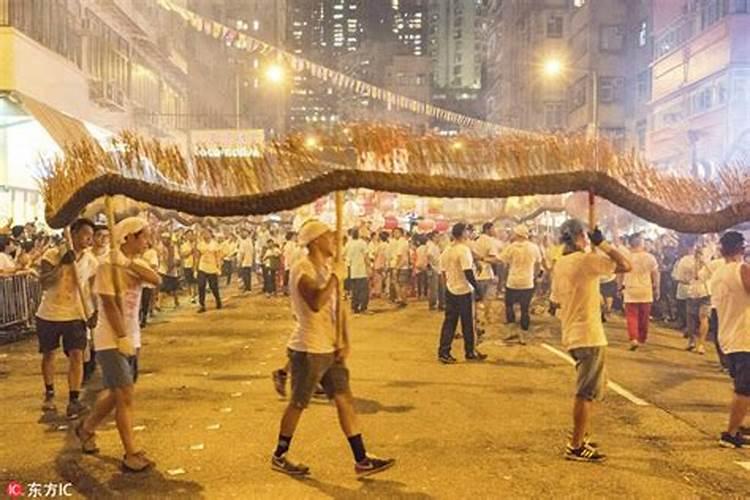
{"type": "Point", "coordinates": [39, 490]}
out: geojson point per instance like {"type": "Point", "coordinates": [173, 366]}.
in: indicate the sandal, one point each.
{"type": "Point", "coordinates": [137, 462]}
{"type": "Point", "coordinates": [88, 440]}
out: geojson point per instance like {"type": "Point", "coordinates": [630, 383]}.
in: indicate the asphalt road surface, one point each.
{"type": "Point", "coordinates": [207, 413]}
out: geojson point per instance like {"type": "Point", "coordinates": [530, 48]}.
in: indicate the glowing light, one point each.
{"type": "Point", "coordinates": [311, 142]}
{"type": "Point", "coordinates": [275, 73]}
{"type": "Point", "coordinates": [552, 67]}
{"type": "Point", "coordinates": [457, 145]}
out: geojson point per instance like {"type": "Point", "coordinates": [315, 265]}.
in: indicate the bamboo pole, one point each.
{"type": "Point", "coordinates": [110, 212]}
{"type": "Point", "coordinates": [81, 298]}
{"type": "Point", "coordinates": [339, 197]}
{"type": "Point", "coordinates": [592, 210]}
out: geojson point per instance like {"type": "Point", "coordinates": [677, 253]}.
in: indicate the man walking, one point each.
{"type": "Point", "coordinates": [246, 257]}
{"type": "Point", "coordinates": [315, 352]}
{"type": "Point", "coordinates": [61, 313]}
{"type": "Point", "coordinates": [697, 304]}
{"type": "Point", "coordinates": [355, 255]}
{"type": "Point", "coordinates": [522, 258]}
{"type": "Point", "coordinates": [575, 286]}
{"type": "Point", "coordinates": [486, 249]}
{"type": "Point", "coordinates": [208, 269]}
{"type": "Point", "coordinates": [118, 286]}
{"type": "Point", "coordinates": [187, 255]}
{"type": "Point", "coordinates": [458, 266]}
{"type": "Point", "coordinates": [730, 288]}
{"type": "Point", "coordinates": [641, 290]}
{"type": "Point", "coordinates": [399, 265]}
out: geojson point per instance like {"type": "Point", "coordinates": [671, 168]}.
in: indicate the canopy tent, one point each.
{"type": "Point", "coordinates": [296, 171]}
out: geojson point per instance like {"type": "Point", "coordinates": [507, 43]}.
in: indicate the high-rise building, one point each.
{"type": "Point", "coordinates": [324, 31]}
{"type": "Point", "coordinates": [700, 107]}
{"type": "Point", "coordinates": [73, 70]}
{"type": "Point", "coordinates": [410, 25]}
{"type": "Point", "coordinates": [456, 44]}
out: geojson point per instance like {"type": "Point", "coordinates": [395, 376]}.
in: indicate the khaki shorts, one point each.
{"type": "Point", "coordinates": [308, 369]}
{"type": "Point", "coordinates": [592, 374]}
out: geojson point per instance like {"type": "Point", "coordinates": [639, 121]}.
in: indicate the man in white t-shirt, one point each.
{"type": "Point", "coordinates": [316, 353]}
{"type": "Point", "coordinates": [730, 288]}
{"type": "Point", "coordinates": [398, 254]}
{"type": "Point", "coordinates": [433, 271]}
{"type": "Point", "coordinates": [697, 301]}
{"type": "Point", "coordinates": [575, 286]}
{"type": "Point", "coordinates": [486, 250]}
{"type": "Point", "coordinates": [457, 264]}
{"type": "Point", "coordinates": [288, 253]}
{"type": "Point", "coordinates": [641, 290]}
{"type": "Point", "coordinates": [118, 285]}
{"type": "Point", "coordinates": [63, 315]}
{"type": "Point", "coordinates": [208, 269]}
{"type": "Point", "coordinates": [246, 258]}
{"type": "Point", "coordinates": [187, 256]}
{"type": "Point", "coordinates": [355, 255]}
{"type": "Point", "coordinates": [150, 257]}
{"type": "Point", "coordinates": [523, 258]}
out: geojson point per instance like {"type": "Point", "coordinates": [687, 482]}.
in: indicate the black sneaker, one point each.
{"type": "Point", "coordinates": [586, 453]}
{"type": "Point", "coordinates": [279, 382]}
{"type": "Point", "coordinates": [729, 441]}
{"type": "Point", "coordinates": [76, 409]}
{"type": "Point", "coordinates": [476, 356]}
{"type": "Point", "coordinates": [372, 465]}
{"type": "Point", "coordinates": [281, 464]}
{"type": "Point", "coordinates": [447, 359]}
{"type": "Point", "coordinates": [49, 402]}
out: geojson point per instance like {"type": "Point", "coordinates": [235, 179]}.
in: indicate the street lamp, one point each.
{"type": "Point", "coordinates": [554, 68]}
{"type": "Point", "coordinates": [275, 74]}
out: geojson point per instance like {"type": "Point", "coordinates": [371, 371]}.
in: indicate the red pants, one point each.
{"type": "Point", "coordinates": [637, 317]}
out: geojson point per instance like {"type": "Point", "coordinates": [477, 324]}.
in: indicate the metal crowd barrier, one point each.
{"type": "Point", "coordinates": [19, 299]}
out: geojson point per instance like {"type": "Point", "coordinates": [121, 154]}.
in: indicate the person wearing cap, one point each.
{"type": "Point", "coordinates": [641, 290]}
{"type": "Point", "coordinates": [246, 258]}
{"type": "Point", "coordinates": [118, 286]}
{"type": "Point", "coordinates": [62, 314]}
{"type": "Point", "coordinates": [523, 259]}
{"type": "Point", "coordinates": [461, 286]}
{"type": "Point", "coordinates": [730, 288]}
{"type": "Point", "coordinates": [486, 250]}
{"type": "Point", "coordinates": [315, 352]}
{"type": "Point", "coordinates": [208, 269]}
{"type": "Point", "coordinates": [575, 286]}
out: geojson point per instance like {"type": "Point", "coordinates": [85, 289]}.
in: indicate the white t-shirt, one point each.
{"type": "Point", "coordinates": [575, 286]}
{"type": "Point", "coordinates": [707, 272]}
{"type": "Point", "coordinates": [355, 254]}
{"type": "Point", "coordinates": [398, 254]}
{"type": "Point", "coordinates": [61, 302]}
{"type": "Point", "coordinates": [130, 287]}
{"type": "Point", "coordinates": [485, 247]}
{"type": "Point", "coordinates": [455, 260]}
{"type": "Point", "coordinates": [639, 287]}
{"type": "Point", "coordinates": [186, 253]}
{"type": "Point", "coordinates": [686, 271]}
{"type": "Point", "coordinates": [6, 262]}
{"type": "Point", "coordinates": [433, 254]}
{"type": "Point", "coordinates": [246, 252]}
{"type": "Point", "coordinates": [380, 255]}
{"type": "Point", "coordinates": [228, 250]}
{"type": "Point", "coordinates": [209, 257]}
{"type": "Point", "coordinates": [732, 307]}
{"type": "Point", "coordinates": [315, 331]}
{"type": "Point", "coordinates": [521, 257]}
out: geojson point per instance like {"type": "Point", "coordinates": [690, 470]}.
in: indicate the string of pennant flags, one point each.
{"type": "Point", "coordinates": [243, 41]}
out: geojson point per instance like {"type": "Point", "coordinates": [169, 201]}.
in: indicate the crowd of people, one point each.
{"type": "Point", "coordinates": [101, 289]}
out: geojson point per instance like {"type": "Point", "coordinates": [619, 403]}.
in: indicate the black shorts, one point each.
{"type": "Point", "coordinates": [189, 275]}
{"type": "Point", "coordinates": [168, 283]}
{"type": "Point", "coordinates": [739, 369]}
{"type": "Point", "coordinates": [608, 289]}
{"type": "Point", "coordinates": [48, 333]}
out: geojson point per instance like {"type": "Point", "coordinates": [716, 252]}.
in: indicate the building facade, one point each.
{"type": "Point", "coordinates": [98, 67]}
{"type": "Point", "coordinates": [700, 106]}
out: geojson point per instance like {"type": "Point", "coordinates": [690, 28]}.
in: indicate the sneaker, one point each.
{"type": "Point", "coordinates": [586, 453]}
{"type": "Point", "coordinates": [476, 356]}
{"type": "Point", "coordinates": [522, 338]}
{"type": "Point", "coordinates": [49, 403]}
{"type": "Point", "coordinates": [447, 359]}
{"type": "Point", "coordinates": [201, 310]}
{"type": "Point", "coordinates": [634, 346]}
{"type": "Point", "coordinates": [137, 462]}
{"type": "Point", "coordinates": [372, 465]}
{"type": "Point", "coordinates": [76, 409]}
{"type": "Point", "coordinates": [690, 346]}
{"type": "Point", "coordinates": [88, 440]}
{"type": "Point", "coordinates": [729, 441]}
{"type": "Point", "coordinates": [700, 350]}
{"type": "Point", "coordinates": [281, 464]}
{"type": "Point", "coordinates": [279, 382]}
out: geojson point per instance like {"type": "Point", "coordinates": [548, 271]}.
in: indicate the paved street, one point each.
{"type": "Point", "coordinates": [207, 413]}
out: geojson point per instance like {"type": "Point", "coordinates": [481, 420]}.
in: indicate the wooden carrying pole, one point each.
{"type": "Point", "coordinates": [110, 211]}
{"type": "Point", "coordinates": [592, 210]}
{"type": "Point", "coordinates": [339, 196]}
{"type": "Point", "coordinates": [79, 287]}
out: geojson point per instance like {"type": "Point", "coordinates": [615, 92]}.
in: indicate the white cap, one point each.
{"type": "Point", "coordinates": [311, 230]}
{"type": "Point", "coordinates": [521, 231]}
{"type": "Point", "coordinates": [128, 226]}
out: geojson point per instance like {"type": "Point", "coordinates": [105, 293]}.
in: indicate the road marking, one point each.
{"type": "Point", "coordinates": [612, 385]}
{"type": "Point", "coordinates": [744, 465]}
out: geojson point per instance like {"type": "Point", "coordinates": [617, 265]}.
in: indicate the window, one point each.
{"type": "Point", "coordinates": [579, 3]}
{"type": "Point", "coordinates": [643, 86]}
{"type": "Point", "coordinates": [611, 38]}
{"type": "Point", "coordinates": [611, 89]}
{"type": "Point", "coordinates": [712, 11]}
{"type": "Point", "coordinates": [554, 117]}
{"type": "Point", "coordinates": [554, 27]}
{"type": "Point", "coordinates": [643, 33]}
{"type": "Point", "coordinates": [578, 93]}
{"type": "Point", "coordinates": [741, 6]}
